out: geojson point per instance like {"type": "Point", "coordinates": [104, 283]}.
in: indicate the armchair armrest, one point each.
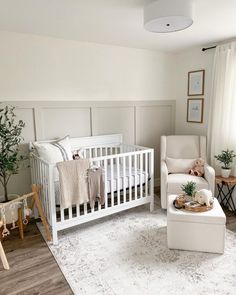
{"type": "Point", "coordinates": [164, 175]}
{"type": "Point", "coordinates": [209, 175]}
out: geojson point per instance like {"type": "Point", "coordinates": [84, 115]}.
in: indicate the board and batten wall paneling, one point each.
{"type": "Point", "coordinates": [141, 122]}
{"type": "Point", "coordinates": [28, 116]}
{"type": "Point", "coordinates": [151, 123]}
{"type": "Point", "coordinates": [108, 120]}
{"type": "Point", "coordinates": [72, 121]}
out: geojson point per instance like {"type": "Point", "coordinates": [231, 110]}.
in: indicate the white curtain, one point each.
{"type": "Point", "coordinates": [222, 119]}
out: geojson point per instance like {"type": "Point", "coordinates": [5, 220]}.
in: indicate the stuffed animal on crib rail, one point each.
{"type": "Point", "coordinates": [198, 168]}
{"type": "Point", "coordinates": [203, 196]}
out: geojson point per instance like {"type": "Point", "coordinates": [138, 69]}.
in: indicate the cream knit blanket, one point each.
{"type": "Point", "coordinates": [73, 182]}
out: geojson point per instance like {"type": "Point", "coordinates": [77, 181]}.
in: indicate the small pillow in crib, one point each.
{"type": "Point", "coordinates": [55, 151]}
{"type": "Point", "coordinates": [179, 165]}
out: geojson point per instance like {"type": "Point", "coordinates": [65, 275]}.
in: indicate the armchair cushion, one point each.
{"type": "Point", "coordinates": [175, 181]}
{"type": "Point", "coordinates": [179, 165]}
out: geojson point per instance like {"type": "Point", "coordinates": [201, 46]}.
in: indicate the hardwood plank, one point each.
{"type": "Point", "coordinates": [33, 269]}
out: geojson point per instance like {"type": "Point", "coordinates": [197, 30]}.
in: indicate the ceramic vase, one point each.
{"type": "Point", "coordinates": [225, 173]}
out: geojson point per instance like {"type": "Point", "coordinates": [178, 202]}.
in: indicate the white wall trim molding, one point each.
{"type": "Point", "coordinates": [140, 122]}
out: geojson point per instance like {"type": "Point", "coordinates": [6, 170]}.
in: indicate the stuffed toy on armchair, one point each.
{"type": "Point", "coordinates": [198, 168]}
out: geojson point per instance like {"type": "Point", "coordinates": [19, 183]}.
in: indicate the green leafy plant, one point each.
{"type": "Point", "coordinates": [226, 157]}
{"type": "Point", "coordinates": [10, 138]}
{"type": "Point", "coordinates": [189, 188]}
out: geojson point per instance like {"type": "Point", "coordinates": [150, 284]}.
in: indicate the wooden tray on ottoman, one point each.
{"type": "Point", "coordinates": [182, 202]}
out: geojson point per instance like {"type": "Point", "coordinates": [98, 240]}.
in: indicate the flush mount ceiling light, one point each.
{"type": "Point", "coordinates": [165, 16]}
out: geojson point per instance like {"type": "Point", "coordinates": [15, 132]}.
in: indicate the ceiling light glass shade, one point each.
{"type": "Point", "coordinates": [165, 16]}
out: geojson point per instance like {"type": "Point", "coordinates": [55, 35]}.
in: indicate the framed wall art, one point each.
{"type": "Point", "coordinates": [195, 109]}
{"type": "Point", "coordinates": [196, 81]}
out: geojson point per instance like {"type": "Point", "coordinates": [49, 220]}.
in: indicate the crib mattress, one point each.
{"type": "Point", "coordinates": [124, 183]}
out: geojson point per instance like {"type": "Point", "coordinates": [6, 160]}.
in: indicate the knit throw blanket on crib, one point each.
{"type": "Point", "coordinates": [73, 182]}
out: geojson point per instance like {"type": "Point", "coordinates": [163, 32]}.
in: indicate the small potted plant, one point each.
{"type": "Point", "coordinates": [226, 157]}
{"type": "Point", "coordinates": [10, 158]}
{"type": "Point", "coordinates": [189, 188]}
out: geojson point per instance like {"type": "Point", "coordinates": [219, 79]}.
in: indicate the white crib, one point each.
{"type": "Point", "coordinates": [129, 180]}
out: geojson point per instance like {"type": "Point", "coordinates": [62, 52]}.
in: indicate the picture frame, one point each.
{"type": "Point", "coordinates": [195, 108]}
{"type": "Point", "coordinates": [196, 82]}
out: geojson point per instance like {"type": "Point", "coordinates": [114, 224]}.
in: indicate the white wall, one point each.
{"type": "Point", "coordinates": [67, 87]}
{"type": "Point", "coordinates": [42, 68]}
{"type": "Point", "coordinates": [187, 61]}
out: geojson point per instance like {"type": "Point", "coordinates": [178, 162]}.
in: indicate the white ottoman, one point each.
{"type": "Point", "coordinates": [203, 231]}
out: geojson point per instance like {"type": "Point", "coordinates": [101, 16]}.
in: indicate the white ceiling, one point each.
{"type": "Point", "coordinates": [118, 22]}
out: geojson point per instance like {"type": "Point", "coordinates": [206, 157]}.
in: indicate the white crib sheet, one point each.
{"type": "Point", "coordinates": [124, 183]}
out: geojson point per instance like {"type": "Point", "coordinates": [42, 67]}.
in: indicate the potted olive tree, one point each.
{"type": "Point", "coordinates": [226, 157]}
{"type": "Point", "coordinates": [10, 138]}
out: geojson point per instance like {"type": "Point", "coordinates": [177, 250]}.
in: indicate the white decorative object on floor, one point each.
{"type": "Point", "coordinates": [127, 254]}
{"type": "Point", "coordinates": [181, 151]}
{"type": "Point", "coordinates": [192, 231]}
{"type": "Point", "coordinates": [128, 178]}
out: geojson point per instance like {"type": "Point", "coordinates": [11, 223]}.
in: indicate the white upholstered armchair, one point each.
{"type": "Point", "coordinates": [177, 156]}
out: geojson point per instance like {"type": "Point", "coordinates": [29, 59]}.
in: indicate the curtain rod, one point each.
{"type": "Point", "coordinates": [207, 48]}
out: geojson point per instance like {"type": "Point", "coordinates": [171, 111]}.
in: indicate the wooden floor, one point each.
{"type": "Point", "coordinates": [33, 268]}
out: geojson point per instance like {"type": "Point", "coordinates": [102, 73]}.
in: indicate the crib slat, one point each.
{"type": "Point", "coordinates": [151, 159]}
{"type": "Point", "coordinates": [130, 178]}
{"type": "Point", "coordinates": [70, 212]}
{"type": "Point", "coordinates": [62, 214]}
{"type": "Point", "coordinates": [105, 181]}
{"type": "Point", "coordinates": [85, 209]}
{"type": "Point", "coordinates": [100, 164]}
{"type": "Point", "coordinates": [112, 183]}
{"type": "Point", "coordinates": [47, 193]}
{"type": "Point", "coordinates": [118, 179]}
{"type": "Point", "coordinates": [146, 174]}
{"type": "Point", "coordinates": [135, 177]}
{"type": "Point", "coordinates": [124, 179]}
{"type": "Point", "coordinates": [141, 175]}
{"type": "Point", "coordinates": [77, 210]}
{"type": "Point", "coordinates": [45, 177]}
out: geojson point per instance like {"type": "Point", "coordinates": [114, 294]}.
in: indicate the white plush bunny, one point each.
{"type": "Point", "coordinates": [204, 196]}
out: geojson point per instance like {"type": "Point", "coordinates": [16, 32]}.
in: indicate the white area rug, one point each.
{"type": "Point", "coordinates": [127, 254]}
